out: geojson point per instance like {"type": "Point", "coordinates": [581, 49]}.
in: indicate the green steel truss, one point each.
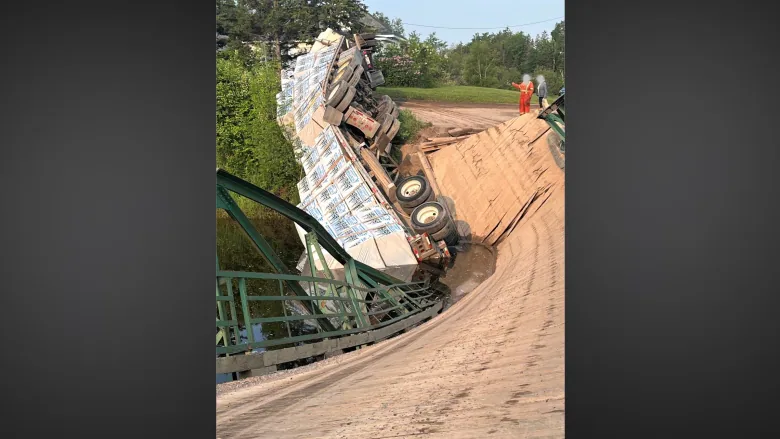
{"type": "Point", "coordinates": [364, 300]}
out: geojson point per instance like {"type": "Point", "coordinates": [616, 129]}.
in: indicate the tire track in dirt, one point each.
{"type": "Point", "coordinates": [306, 388]}
{"type": "Point", "coordinates": [451, 115]}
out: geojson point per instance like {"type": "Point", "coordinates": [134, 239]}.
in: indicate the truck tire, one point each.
{"type": "Point", "coordinates": [381, 110]}
{"type": "Point", "coordinates": [345, 74]}
{"type": "Point", "coordinates": [448, 234]}
{"type": "Point", "coordinates": [356, 74]}
{"type": "Point", "coordinates": [346, 100]}
{"type": "Point", "coordinates": [336, 93]}
{"type": "Point", "coordinates": [413, 191]}
{"type": "Point", "coordinates": [393, 130]}
{"type": "Point", "coordinates": [383, 98]}
{"type": "Point", "coordinates": [387, 106]}
{"type": "Point", "coordinates": [385, 123]}
{"type": "Point", "coordinates": [395, 111]}
{"type": "Point", "coordinates": [429, 217]}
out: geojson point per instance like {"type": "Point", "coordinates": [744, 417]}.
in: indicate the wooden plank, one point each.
{"type": "Point", "coordinates": [455, 132]}
{"type": "Point", "coordinates": [324, 83]}
{"type": "Point", "coordinates": [382, 179]}
{"type": "Point", "coordinates": [445, 139]}
{"type": "Point", "coordinates": [434, 146]}
{"type": "Point", "coordinates": [428, 170]}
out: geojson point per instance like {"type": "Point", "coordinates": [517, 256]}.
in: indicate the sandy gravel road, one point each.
{"type": "Point", "coordinates": [462, 115]}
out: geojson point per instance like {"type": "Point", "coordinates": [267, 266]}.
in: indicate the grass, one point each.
{"type": "Point", "coordinates": [458, 93]}
{"type": "Point", "coordinates": [410, 127]}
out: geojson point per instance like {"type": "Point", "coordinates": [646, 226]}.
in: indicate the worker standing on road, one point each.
{"type": "Point", "coordinates": [541, 91]}
{"type": "Point", "coordinates": [526, 90]}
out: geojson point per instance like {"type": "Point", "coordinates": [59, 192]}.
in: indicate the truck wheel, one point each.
{"type": "Point", "coordinates": [393, 130]}
{"type": "Point", "coordinates": [337, 92]}
{"type": "Point", "coordinates": [385, 123]}
{"type": "Point", "coordinates": [429, 217]}
{"type": "Point", "coordinates": [387, 106]}
{"type": "Point", "coordinates": [381, 110]}
{"type": "Point", "coordinates": [356, 74]}
{"type": "Point", "coordinates": [383, 98]}
{"type": "Point", "coordinates": [413, 191]}
{"type": "Point", "coordinates": [394, 112]}
{"type": "Point", "coordinates": [448, 234]}
{"type": "Point", "coordinates": [345, 74]}
{"type": "Point", "coordinates": [348, 97]}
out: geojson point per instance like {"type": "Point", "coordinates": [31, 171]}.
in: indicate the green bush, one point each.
{"type": "Point", "coordinates": [250, 142]}
{"type": "Point", "coordinates": [410, 127]}
{"type": "Point", "coordinates": [413, 63]}
{"type": "Point", "coordinates": [252, 146]}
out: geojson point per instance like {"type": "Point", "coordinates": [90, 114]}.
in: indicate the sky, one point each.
{"type": "Point", "coordinates": [470, 13]}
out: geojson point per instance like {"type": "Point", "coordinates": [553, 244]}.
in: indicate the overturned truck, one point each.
{"type": "Point", "coordinates": [343, 133]}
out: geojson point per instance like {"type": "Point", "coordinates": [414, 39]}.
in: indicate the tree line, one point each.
{"type": "Point", "coordinates": [276, 27]}
{"type": "Point", "coordinates": [489, 60]}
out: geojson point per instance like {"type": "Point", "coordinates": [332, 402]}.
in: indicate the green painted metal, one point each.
{"type": "Point", "coordinates": [235, 212]}
{"type": "Point", "coordinates": [426, 300]}
{"type": "Point", "coordinates": [313, 249]}
{"type": "Point", "coordinates": [555, 116]}
{"type": "Point", "coordinates": [364, 300]}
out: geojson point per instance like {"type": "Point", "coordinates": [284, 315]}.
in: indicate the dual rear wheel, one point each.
{"type": "Point", "coordinates": [428, 215]}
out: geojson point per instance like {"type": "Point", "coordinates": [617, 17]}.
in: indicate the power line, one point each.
{"type": "Point", "coordinates": [482, 28]}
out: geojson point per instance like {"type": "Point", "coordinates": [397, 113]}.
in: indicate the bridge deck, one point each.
{"type": "Point", "coordinates": [490, 366]}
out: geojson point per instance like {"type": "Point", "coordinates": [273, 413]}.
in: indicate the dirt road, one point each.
{"type": "Point", "coordinates": [491, 366]}
{"type": "Point", "coordinates": [462, 115]}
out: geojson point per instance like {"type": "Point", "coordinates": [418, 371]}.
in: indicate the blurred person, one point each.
{"type": "Point", "coordinates": [526, 91]}
{"type": "Point", "coordinates": [541, 92]}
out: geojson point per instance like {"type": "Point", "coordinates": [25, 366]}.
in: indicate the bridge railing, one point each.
{"type": "Point", "coordinates": [352, 309]}
{"type": "Point", "coordinates": [365, 300]}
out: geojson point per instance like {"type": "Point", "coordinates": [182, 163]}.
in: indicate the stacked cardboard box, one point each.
{"type": "Point", "coordinates": [336, 190]}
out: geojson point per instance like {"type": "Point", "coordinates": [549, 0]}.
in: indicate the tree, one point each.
{"type": "Point", "coordinates": [233, 22]}
{"type": "Point", "coordinates": [395, 25]}
{"type": "Point", "coordinates": [456, 63]}
{"type": "Point", "coordinates": [482, 63]}
{"type": "Point", "coordinates": [415, 62]}
{"type": "Point", "coordinates": [284, 24]}
{"type": "Point", "coordinates": [250, 142]}
{"type": "Point", "coordinates": [559, 47]}
{"type": "Point", "coordinates": [498, 59]}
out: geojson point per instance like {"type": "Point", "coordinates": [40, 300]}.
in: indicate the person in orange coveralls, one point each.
{"type": "Point", "coordinates": [526, 90]}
